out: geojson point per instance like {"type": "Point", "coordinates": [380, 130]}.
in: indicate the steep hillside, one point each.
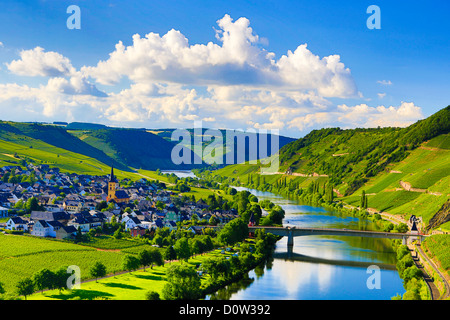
{"type": "Point", "coordinates": [20, 149]}
{"type": "Point", "coordinates": [403, 171]}
{"type": "Point", "coordinates": [355, 156]}
{"type": "Point", "coordinates": [419, 185]}
{"type": "Point", "coordinates": [31, 134]}
{"type": "Point", "coordinates": [133, 148]}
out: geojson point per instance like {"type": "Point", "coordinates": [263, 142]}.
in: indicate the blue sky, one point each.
{"type": "Point", "coordinates": [389, 77]}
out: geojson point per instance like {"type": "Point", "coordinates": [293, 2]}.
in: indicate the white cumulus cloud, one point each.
{"type": "Point", "coordinates": [37, 62]}
{"type": "Point", "coordinates": [234, 83]}
{"type": "Point", "coordinates": [237, 60]}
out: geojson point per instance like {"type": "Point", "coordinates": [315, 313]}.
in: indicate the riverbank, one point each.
{"type": "Point", "coordinates": [381, 220]}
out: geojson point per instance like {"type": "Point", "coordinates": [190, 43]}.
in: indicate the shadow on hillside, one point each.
{"type": "Point", "coordinates": [80, 294]}
{"type": "Point", "coordinates": [121, 285]}
{"type": "Point", "coordinates": [150, 277]}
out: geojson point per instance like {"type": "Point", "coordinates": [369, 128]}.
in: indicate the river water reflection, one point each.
{"type": "Point", "coordinates": [320, 267]}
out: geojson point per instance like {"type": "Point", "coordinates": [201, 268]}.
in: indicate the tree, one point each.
{"type": "Point", "coordinates": [329, 193]}
{"type": "Point", "coordinates": [234, 231]}
{"type": "Point", "coordinates": [78, 235]}
{"type": "Point", "coordinates": [158, 240]}
{"type": "Point", "coordinates": [170, 254]}
{"type": "Point", "coordinates": [60, 279]}
{"type": "Point", "coordinates": [118, 233]}
{"type": "Point", "coordinates": [213, 220]}
{"type": "Point", "coordinates": [216, 267]}
{"type": "Point", "coordinates": [33, 204]}
{"type": "Point", "coordinates": [145, 258]}
{"type": "Point", "coordinates": [98, 270]}
{"type": "Point", "coordinates": [152, 295]}
{"type": "Point", "coordinates": [404, 263]}
{"type": "Point", "coordinates": [130, 263]}
{"type": "Point", "coordinates": [160, 205]}
{"type": "Point", "coordinates": [101, 205]}
{"type": "Point", "coordinates": [410, 273]}
{"type": "Point", "coordinates": [363, 202]}
{"type": "Point", "coordinates": [207, 243]}
{"type": "Point", "coordinates": [156, 257]}
{"type": "Point", "coordinates": [247, 260]}
{"type": "Point", "coordinates": [401, 228]}
{"type": "Point", "coordinates": [182, 248]}
{"type": "Point", "coordinates": [183, 283]}
{"type": "Point", "coordinates": [43, 279]}
{"type": "Point", "coordinates": [2, 289]}
{"type": "Point", "coordinates": [241, 200]}
{"type": "Point", "coordinates": [195, 245]}
{"type": "Point", "coordinates": [276, 215]}
{"type": "Point", "coordinates": [25, 287]}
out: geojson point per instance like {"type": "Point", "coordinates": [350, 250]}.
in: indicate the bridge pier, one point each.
{"type": "Point", "coordinates": [290, 242]}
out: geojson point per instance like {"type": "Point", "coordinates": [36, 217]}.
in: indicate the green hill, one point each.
{"type": "Point", "coordinates": [357, 155]}
{"type": "Point", "coordinates": [233, 138]}
{"type": "Point", "coordinates": [72, 145]}
{"type": "Point", "coordinates": [135, 148]}
{"type": "Point", "coordinates": [34, 135]}
{"type": "Point", "coordinates": [404, 171]}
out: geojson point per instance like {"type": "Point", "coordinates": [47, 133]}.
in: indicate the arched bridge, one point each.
{"type": "Point", "coordinates": [292, 232]}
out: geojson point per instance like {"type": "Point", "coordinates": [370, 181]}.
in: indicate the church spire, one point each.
{"type": "Point", "coordinates": [112, 178]}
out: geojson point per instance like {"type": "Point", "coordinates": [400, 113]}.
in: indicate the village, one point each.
{"type": "Point", "coordinates": [49, 203]}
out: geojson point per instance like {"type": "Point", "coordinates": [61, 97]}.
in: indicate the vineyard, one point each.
{"type": "Point", "coordinates": [437, 247]}
{"type": "Point", "coordinates": [22, 256]}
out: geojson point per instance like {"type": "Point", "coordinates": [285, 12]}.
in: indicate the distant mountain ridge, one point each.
{"type": "Point", "coordinates": [125, 148]}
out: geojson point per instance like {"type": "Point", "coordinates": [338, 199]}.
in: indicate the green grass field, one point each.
{"type": "Point", "coordinates": [126, 286]}
{"type": "Point", "coordinates": [22, 256]}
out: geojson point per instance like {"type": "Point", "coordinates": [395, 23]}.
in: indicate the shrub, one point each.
{"type": "Point", "coordinates": [152, 295]}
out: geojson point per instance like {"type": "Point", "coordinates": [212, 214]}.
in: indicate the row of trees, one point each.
{"type": "Point", "coordinates": [183, 281]}
{"type": "Point", "coordinates": [42, 280]}
{"type": "Point", "coordinates": [416, 288]}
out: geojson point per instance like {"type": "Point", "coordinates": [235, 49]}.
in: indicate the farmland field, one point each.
{"type": "Point", "coordinates": [22, 256]}
{"type": "Point", "coordinates": [16, 246]}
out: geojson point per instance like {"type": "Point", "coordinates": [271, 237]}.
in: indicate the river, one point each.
{"type": "Point", "coordinates": [180, 173]}
{"type": "Point", "coordinates": [320, 267]}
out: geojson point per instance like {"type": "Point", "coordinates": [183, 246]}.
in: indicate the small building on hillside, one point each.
{"type": "Point", "coordinates": [137, 231]}
{"type": "Point", "coordinates": [66, 232]}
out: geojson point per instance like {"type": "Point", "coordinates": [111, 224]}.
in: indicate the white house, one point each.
{"type": "Point", "coordinates": [132, 222]}
{"type": "Point", "coordinates": [44, 228]}
{"type": "Point", "coordinates": [40, 229]}
{"type": "Point", "coordinates": [126, 216]}
{"type": "Point", "coordinates": [17, 223]}
{"type": "Point", "coordinates": [3, 212]}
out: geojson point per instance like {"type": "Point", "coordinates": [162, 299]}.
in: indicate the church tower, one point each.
{"type": "Point", "coordinates": [112, 185]}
